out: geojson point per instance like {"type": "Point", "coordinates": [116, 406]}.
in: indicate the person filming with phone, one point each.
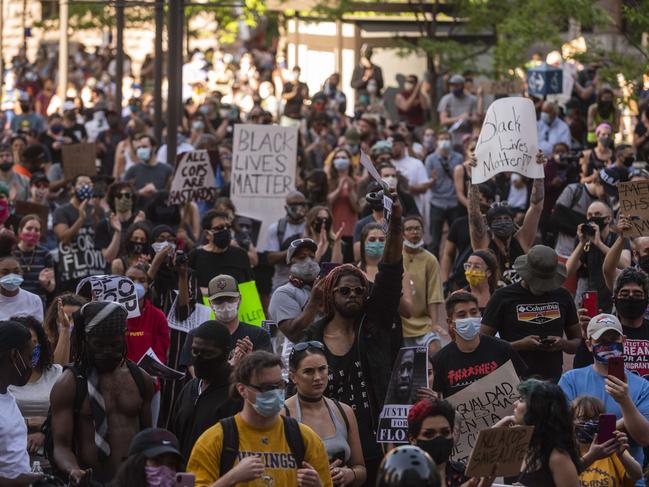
{"type": "Point", "coordinates": [624, 394]}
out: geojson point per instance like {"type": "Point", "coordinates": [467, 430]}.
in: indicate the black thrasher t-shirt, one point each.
{"type": "Point", "coordinates": [636, 351]}
{"type": "Point", "coordinates": [455, 370]}
{"type": "Point", "coordinates": [516, 313]}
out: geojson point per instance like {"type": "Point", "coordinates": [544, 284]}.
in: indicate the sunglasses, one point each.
{"type": "Point", "coordinates": [412, 229]}
{"type": "Point", "coordinates": [128, 196]}
{"type": "Point", "coordinates": [302, 346]}
{"type": "Point", "coordinates": [346, 291]}
{"type": "Point", "coordinates": [267, 387]}
{"type": "Point", "coordinates": [499, 204]}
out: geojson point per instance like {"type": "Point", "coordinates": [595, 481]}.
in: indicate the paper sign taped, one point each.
{"type": "Point", "coordinates": [118, 289]}
{"type": "Point", "coordinates": [481, 405]}
{"type": "Point", "coordinates": [151, 364]}
{"type": "Point", "coordinates": [408, 376]}
{"type": "Point", "coordinates": [200, 315]}
{"type": "Point", "coordinates": [193, 179]}
{"type": "Point", "coordinates": [79, 160]}
{"type": "Point", "coordinates": [508, 141]}
{"type": "Point", "coordinates": [634, 203]}
{"type": "Point", "coordinates": [499, 452]}
{"type": "Point", "coordinates": [264, 159]}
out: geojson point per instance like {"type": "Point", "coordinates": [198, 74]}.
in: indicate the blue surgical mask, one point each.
{"type": "Point", "coordinates": [11, 282]}
{"type": "Point", "coordinates": [140, 291]}
{"type": "Point", "coordinates": [605, 350]}
{"type": "Point", "coordinates": [341, 164]}
{"type": "Point", "coordinates": [444, 144]}
{"type": "Point", "coordinates": [545, 117]}
{"type": "Point", "coordinates": [143, 153]}
{"type": "Point", "coordinates": [468, 328]}
{"type": "Point", "coordinates": [269, 403]}
{"type": "Point", "coordinates": [374, 249]}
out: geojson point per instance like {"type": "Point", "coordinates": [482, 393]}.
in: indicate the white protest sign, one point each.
{"type": "Point", "coordinates": [481, 405]}
{"type": "Point", "coordinates": [119, 289]}
{"type": "Point", "coordinates": [200, 315]}
{"type": "Point", "coordinates": [264, 158]}
{"type": "Point", "coordinates": [151, 364]}
{"type": "Point", "coordinates": [508, 141]}
{"type": "Point", "coordinates": [369, 166]}
{"type": "Point", "coordinates": [387, 201]}
{"type": "Point", "coordinates": [194, 179]}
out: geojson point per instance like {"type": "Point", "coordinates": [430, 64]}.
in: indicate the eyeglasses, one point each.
{"type": "Point", "coordinates": [469, 266]}
{"type": "Point", "coordinates": [220, 228]}
{"type": "Point", "coordinates": [128, 196]}
{"type": "Point", "coordinates": [267, 387]}
{"type": "Point", "coordinates": [412, 229]}
{"type": "Point", "coordinates": [346, 291]}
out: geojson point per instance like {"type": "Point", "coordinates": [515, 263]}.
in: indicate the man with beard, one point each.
{"type": "Point", "coordinates": [102, 401]}
{"type": "Point", "coordinates": [204, 400]}
{"type": "Point", "coordinates": [403, 385]}
{"type": "Point", "coordinates": [534, 314]}
{"type": "Point", "coordinates": [357, 331]}
{"type": "Point", "coordinates": [500, 234]}
{"type": "Point", "coordinates": [15, 369]}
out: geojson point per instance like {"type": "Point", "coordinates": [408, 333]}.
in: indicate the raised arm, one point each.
{"type": "Point", "coordinates": [527, 232]}
{"type": "Point", "coordinates": [609, 267]}
{"type": "Point", "coordinates": [478, 230]}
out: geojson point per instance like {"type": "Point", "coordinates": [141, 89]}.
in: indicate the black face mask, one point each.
{"type": "Point", "coordinates": [6, 166]}
{"type": "Point", "coordinates": [630, 308]}
{"type": "Point", "coordinates": [317, 224]}
{"type": "Point", "coordinates": [206, 368]}
{"type": "Point", "coordinates": [439, 448]}
{"type": "Point", "coordinates": [503, 229]}
{"type": "Point", "coordinates": [136, 247]}
{"type": "Point", "coordinates": [628, 161]}
{"type": "Point", "coordinates": [600, 221]}
{"type": "Point", "coordinates": [222, 238]}
{"type": "Point", "coordinates": [644, 263]}
{"type": "Point", "coordinates": [107, 362]}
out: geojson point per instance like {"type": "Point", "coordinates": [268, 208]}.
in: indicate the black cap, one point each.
{"type": "Point", "coordinates": [39, 177]}
{"type": "Point", "coordinates": [152, 442]}
{"type": "Point", "coordinates": [610, 178]}
{"type": "Point", "coordinates": [397, 137]}
{"type": "Point", "coordinates": [407, 466]}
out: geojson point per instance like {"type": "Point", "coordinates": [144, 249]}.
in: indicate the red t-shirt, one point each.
{"type": "Point", "coordinates": [149, 330]}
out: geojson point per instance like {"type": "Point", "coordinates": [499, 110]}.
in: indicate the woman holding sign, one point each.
{"type": "Point", "coordinates": [553, 457]}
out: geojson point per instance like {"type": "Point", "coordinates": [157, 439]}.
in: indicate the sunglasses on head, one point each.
{"type": "Point", "coordinates": [302, 346]}
{"type": "Point", "coordinates": [346, 291]}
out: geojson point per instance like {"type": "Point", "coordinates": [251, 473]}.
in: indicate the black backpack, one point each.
{"type": "Point", "coordinates": [230, 449]}
{"type": "Point", "coordinates": [81, 391]}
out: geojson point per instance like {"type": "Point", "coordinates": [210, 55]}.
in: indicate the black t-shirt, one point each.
{"type": "Point", "coordinates": [233, 262]}
{"type": "Point", "coordinates": [293, 107]}
{"type": "Point", "coordinates": [258, 336]}
{"type": "Point", "coordinates": [455, 370]}
{"type": "Point", "coordinates": [636, 351]}
{"type": "Point", "coordinates": [104, 232]}
{"type": "Point", "coordinates": [516, 313]}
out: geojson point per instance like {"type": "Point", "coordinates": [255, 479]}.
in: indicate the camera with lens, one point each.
{"type": "Point", "coordinates": [375, 199]}
{"type": "Point", "coordinates": [588, 230]}
{"type": "Point", "coordinates": [181, 257]}
{"type": "Point", "coordinates": [571, 158]}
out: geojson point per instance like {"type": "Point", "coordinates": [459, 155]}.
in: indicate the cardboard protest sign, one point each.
{"type": "Point", "coordinates": [508, 141]}
{"type": "Point", "coordinates": [481, 405]}
{"type": "Point", "coordinates": [193, 179]}
{"type": "Point", "coordinates": [499, 452]}
{"type": "Point", "coordinates": [634, 203]}
{"type": "Point", "coordinates": [24, 208]}
{"type": "Point", "coordinates": [112, 288]}
{"type": "Point", "coordinates": [151, 364]}
{"type": "Point", "coordinates": [250, 308]}
{"type": "Point", "coordinates": [200, 315]}
{"type": "Point", "coordinates": [79, 160]}
{"type": "Point", "coordinates": [263, 170]}
{"type": "Point", "coordinates": [502, 87]}
{"type": "Point", "coordinates": [408, 375]}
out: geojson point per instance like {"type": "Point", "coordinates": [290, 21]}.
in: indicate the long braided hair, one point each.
{"type": "Point", "coordinates": [331, 281]}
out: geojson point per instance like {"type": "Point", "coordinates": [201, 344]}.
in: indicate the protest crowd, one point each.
{"type": "Point", "coordinates": [428, 307]}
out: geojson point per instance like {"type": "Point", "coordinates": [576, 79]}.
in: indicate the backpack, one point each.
{"type": "Point", "coordinates": [81, 391]}
{"type": "Point", "coordinates": [230, 449]}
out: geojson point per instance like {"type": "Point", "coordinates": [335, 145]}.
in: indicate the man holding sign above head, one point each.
{"type": "Point", "coordinates": [535, 313]}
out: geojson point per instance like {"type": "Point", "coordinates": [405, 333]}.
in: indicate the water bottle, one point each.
{"type": "Point", "coordinates": [36, 467]}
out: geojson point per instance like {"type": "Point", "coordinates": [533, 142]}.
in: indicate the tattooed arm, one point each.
{"type": "Point", "coordinates": [478, 230]}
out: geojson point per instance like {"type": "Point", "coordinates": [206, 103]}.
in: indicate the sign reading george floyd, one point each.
{"type": "Point", "coordinates": [499, 452]}
{"type": "Point", "coordinates": [263, 170]}
{"type": "Point", "coordinates": [194, 179]}
{"type": "Point", "coordinates": [634, 203]}
{"type": "Point", "coordinates": [508, 141]}
{"type": "Point", "coordinates": [481, 405]}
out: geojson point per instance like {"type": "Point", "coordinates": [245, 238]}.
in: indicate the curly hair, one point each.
{"type": "Point", "coordinates": [331, 281]}
{"type": "Point", "coordinates": [425, 409]}
{"type": "Point", "coordinates": [632, 275]}
{"type": "Point", "coordinates": [547, 409]}
{"type": "Point", "coordinates": [115, 189]}
{"type": "Point", "coordinates": [145, 227]}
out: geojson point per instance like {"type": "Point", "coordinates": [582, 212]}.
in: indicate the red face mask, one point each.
{"type": "Point", "coordinates": [4, 211]}
{"type": "Point", "coordinates": [30, 238]}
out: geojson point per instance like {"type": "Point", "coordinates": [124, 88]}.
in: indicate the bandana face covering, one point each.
{"type": "Point", "coordinates": [603, 351]}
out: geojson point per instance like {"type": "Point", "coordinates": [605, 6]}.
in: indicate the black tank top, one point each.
{"type": "Point", "coordinates": [506, 262]}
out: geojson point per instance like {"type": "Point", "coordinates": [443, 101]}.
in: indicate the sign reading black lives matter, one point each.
{"type": "Point", "coordinates": [119, 289]}
{"type": "Point", "coordinates": [508, 141]}
{"type": "Point", "coordinates": [263, 171]}
{"type": "Point", "coordinates": [194, 179]}
{"type": "Point", "coordinates": [408, 376]}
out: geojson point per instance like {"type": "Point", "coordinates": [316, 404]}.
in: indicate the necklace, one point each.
{"type": "Point", "coordinates": [308, 399]}
{"type": "Point", "coordinates": [28, 265]}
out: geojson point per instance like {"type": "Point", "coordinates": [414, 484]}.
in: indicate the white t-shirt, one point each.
{"type": "Point", "coordinates": [22, 304]}
{"type": "Point", "coordinates": [33, 398]}
{"type": "Point", "coordinates": [14, 459]}
{"type": "Point", "coordinates": [415, 172]}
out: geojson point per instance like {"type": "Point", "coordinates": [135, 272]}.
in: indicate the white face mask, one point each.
{"type": "Point", "coordinates": [159, 246]}
{"type": "Point", "coordinates": [226, 311]}
{"type": "Point", "coordinates": [468, 328]}
{"type": "Point", "coordinates": [391, 181]}
{"type": "Point", "coordinates": [416, 245]}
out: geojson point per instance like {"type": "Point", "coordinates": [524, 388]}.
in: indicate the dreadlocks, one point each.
{"type": "Point", "coordinates": [331, 281]}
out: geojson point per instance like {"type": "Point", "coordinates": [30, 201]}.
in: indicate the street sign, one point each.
{"type": "Point", "coordinates": [544, 80]}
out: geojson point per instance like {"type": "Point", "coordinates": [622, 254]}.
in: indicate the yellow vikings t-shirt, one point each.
{"type": "Point", "coordinates": [607, 472]}
{"type": "Point", "coordinates": [270, 444]}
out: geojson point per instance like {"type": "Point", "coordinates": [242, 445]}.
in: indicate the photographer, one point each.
{"type": "Point", "coordinates": [595, 239]}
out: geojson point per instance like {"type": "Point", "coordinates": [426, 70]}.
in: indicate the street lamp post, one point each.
{"type": "Point", "coordinates": [63, 49]}
{"type": "Point", "coordinates": [157, 66]}
{"type": "Point", "coordinates": [174, 76]}
{"type": "Point", "coordinates": [119, 55]}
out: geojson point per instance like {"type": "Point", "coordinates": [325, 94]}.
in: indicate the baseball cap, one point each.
{"type": "Point", "coordinates": [601, 323]}
{"type": "Point", "coordinates": [456, 79]}
{"type": "Point", "coordinates": [223, 286]}
{"type": "Point", "coordinates": [298, 244]}
{"type": "Point", "coordinates": [610, 178]}
{"type": "Point", "coordinates": [152, 442]}
{"type": "Point", "coordinates": [39, 178]}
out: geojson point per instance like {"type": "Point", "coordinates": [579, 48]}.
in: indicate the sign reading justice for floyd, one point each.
{"type": "Point", "coordinates": [508, 141]}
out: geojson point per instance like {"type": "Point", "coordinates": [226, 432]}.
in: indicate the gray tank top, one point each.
{"type": "Point", "coordinates": [336, 445]}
